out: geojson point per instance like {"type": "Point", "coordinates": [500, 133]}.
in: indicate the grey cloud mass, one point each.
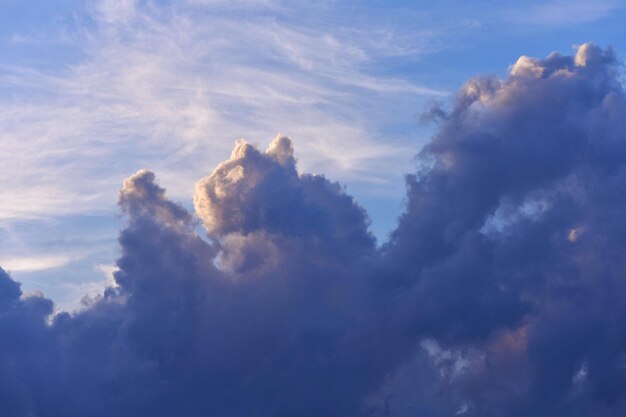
{"type": "Point", "coordinates": [500, 293]}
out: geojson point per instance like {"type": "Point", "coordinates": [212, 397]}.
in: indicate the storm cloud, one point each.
{"type": "Point", "coordinates": [500, 292]}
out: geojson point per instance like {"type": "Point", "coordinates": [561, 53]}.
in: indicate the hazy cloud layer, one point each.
{"type": "Point", "coordinates": [498, 294]}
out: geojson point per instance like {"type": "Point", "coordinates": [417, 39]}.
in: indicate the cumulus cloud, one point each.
{"type": "Point", "coordinates": [497, 294]}
{"type": "Point", "coordinates": [513, 233]}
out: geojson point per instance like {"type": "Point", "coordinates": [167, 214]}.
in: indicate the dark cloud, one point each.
{"type": "Point", "coordinates": [499, 293]}
{"type": "Point", "coordinates": [514, 233]}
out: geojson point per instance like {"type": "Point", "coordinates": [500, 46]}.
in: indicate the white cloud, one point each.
{"type": "Point", "coordinates": [108, 271]}
{"type": "Point", "coordinates": [38, 263]}
{"type": "Point", "coordinates": [170, 88]}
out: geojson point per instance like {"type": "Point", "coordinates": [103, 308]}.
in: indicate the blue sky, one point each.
{"type": "Point", "coordinates": [92, 91]}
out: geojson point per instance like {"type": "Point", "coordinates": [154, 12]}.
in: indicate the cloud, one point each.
{"type": "Point", "coordinates": [210, 81]}
{"type": "Point", "coordinates": [36, 263]}
{"type": "Point", "coordinates": [517, 165]}
{"type": "Point", "coordinates": [483, 302]}
{"type": "Point", "coordinates": [87, 99]}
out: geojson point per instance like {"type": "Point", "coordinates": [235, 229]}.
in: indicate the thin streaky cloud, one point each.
{"type": "Point", "coordinates": [177, 108]}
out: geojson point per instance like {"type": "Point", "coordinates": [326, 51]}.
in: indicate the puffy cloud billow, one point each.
{"type": "Point", "coordinates": [500, 293]}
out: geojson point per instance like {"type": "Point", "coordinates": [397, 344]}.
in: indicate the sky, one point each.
{"type": "Point", "coordinates": [333, 208]}
{"type": "Point", "coordinates": [95, 90]}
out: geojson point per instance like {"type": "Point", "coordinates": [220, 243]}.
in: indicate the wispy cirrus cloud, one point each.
{"type": "Point", "coordinates": [170, 86]}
